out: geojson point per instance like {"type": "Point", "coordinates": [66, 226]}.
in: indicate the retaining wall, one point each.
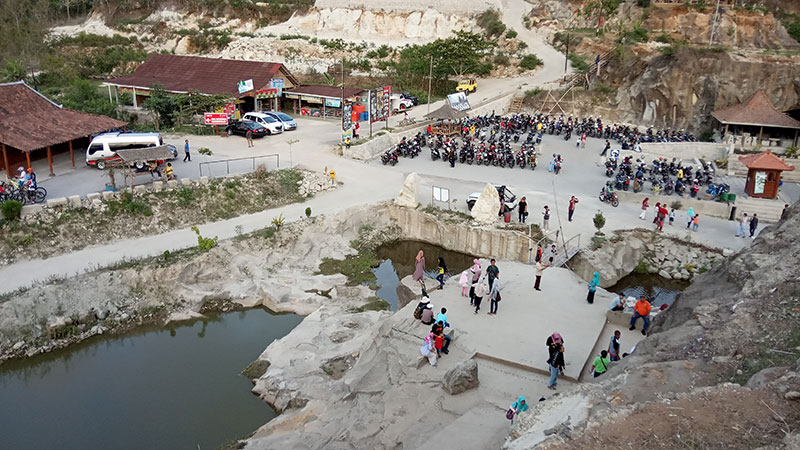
{"type": "Point", "coordinates": [685, 150]}
{"type": "Point", "coordinates": [482, 242]}
{"type": "Point", "coordinates": [702, 207]}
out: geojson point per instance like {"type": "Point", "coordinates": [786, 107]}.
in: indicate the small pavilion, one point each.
{"type": "Point", "coordinates": [757, 123]}
{"type": "Point", "coordinates": [447, 118]}
{"type": "Point", "coordinates": [763, 174]}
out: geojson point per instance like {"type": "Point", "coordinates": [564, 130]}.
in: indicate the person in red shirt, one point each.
{"type": "Point", "coordinates": [662, 214]}
{"type": "Point", "coordinates": [572, 202]}
{"type": "Point", "coordinates": [641, 309]}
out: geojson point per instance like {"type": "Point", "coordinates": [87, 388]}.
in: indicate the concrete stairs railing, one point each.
{"type": "Point", "coordinates": [767, 210]}
{"type": "Point", "coordinates": [516, 105]}
{"type": "Point", "coordinates": [579, 79]}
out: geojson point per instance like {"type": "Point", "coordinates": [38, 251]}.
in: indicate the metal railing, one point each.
{"type": "Point", "coordinates": [238, 164]}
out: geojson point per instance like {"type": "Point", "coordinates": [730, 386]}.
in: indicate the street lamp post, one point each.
{"type": "Point", "coordinates": [290, 142]}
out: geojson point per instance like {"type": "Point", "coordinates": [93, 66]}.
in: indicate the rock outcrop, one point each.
{"type": "Point", "coordinates": [485, 209]}
{"type": "Point", "coordinates": [408, 194]}
{"type": "Point", "coordinates": [461, 378]}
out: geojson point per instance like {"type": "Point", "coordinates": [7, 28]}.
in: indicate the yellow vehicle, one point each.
{"type": "Point", "coordinates": [467, 85]}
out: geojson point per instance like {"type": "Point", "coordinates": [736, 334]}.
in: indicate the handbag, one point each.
{"type": "Point", "coordinates": [510, 414]}
{"type": "Point", "coordinates": [498, 298]}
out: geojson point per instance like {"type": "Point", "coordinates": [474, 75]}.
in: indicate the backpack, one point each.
{"type": "Point", "coordinates": [418, 313]}
{"type": "Point", "coordinates": [510, 414]}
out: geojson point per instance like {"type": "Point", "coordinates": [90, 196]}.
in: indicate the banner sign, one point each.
{"type": "Point", "coordinates": [277, 83]}
{"type": "Point", "coordinates": [230, 108]}
{"type": "Point", "coordinates": [347, 116]}
{"type": "Point", "coordinates": [458, 101]}
{"type": "Point", "coordinates": [267, 93]}
{"type": "Point", "coordinates": [387, 102]}
{"type": "Point", "coordinates": [245, 86]}
{"type": "Point", "coordinates": [333, 102]}
{"type": "Point", "coordinates": [216, 118]}
{"type": "Point", "coordinates": [379, 104]}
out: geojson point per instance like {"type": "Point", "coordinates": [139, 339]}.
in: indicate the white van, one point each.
{"type": "Point", "coordinates": [273, 125]}
{"type": "Point", "coordinates": [103, 148]}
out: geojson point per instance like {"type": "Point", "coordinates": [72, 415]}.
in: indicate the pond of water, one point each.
{"type": "Point", "coordinates": [156, 388]}
{"type": "Point", "coordinates": [659, 290]}
{"type": "Point", "coordinates": [398, 262]}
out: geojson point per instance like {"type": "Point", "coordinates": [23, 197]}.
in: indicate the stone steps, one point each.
{"type": "Point", "coordinates": [480, 428]}
{"type": "Point", "coordinates": [767, 210]}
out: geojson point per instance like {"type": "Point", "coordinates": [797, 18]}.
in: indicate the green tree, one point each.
{"type": "Point", "coordinates": [601, 9]}
{"type": "Point", "coordinates": [13, 71]}
{"type": "Point", "coordinates": [162, 105]}
{"type": "Point", "coordinates": [83, 95]}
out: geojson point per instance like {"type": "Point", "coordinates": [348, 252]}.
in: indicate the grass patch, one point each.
{"type": "Point", "coordinates": [448, 216]}
{"type": "Point", "coordinates": [357, 268]}
{"type": "Point", "coordinates": [785, 356]}
{"type": "Point", "coordinates": [578, 63]}
{"type": "Point", "coordinates": [530, 62]}
{"type": "Point", "coordinates": [256, 369]}
{"type": "Point", "coordinates": [597, 242]}
{"type": "Point", "coordinates": [642, 267]}
{"type": "Point", "coordinates": [373, 304]}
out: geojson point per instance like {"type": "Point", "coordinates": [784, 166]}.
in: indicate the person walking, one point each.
{"type": "Point", "coordinates": [538, 256]}
{"type": "Point", "coordinates": [606, 148]}
{"type": "Point", "coordinates": [784, 212]}
{"type": "Point", "coordinates": [494, 296]}
{"type": "Point", "coordinates": [419, 270]}
{"type": "Point", "coordinates": [613, 346]}
{"type": "Point", "coordinates": [556, 363]}
{"type": "Point", "coordinates": [553, 342]}
{"type": "Point", "coordinates": [600, 364]}
{"type": "Point", "coordinates": [572, 202]}
{"type": "Point", "coordinates": [592, 288]}
{"type": "Point", "coordinates": [249, 136]}
{"type": "Point", "coordinates": [442, 270]}
{"type": "Point", "coordinates": [641, 309]}
{"type": "Point", "coordinates": [753, 225]}
{"type": "Point", "coordinates": [475, 271]}
{"type": "Point", "coordinates": [517, 407]}
{"type": "Point", "coordinates": [546, 218]}
{"type": "Point", "coordinates": [695, 222]}
{"type": "Point", "coordinates": [741, 232]}
{"type": "Point", "coordinates": [187, 156]}
{"type": "Point", "coordinates": [657, 210]}
{"type": "Point", "coordinates": [690, 215]}
{"type": "Point", "coordinates": [479, 291]}
{"type": "Point", "coordinates": [671, 216]}
{"type": "Point", "coordinates": [645, 205]}
{"type": "Point", "coordinates": [522, 209]}
{"type": "Point", "coordinates": [540, 267]}
{"type": "Point", "coordinates": [583, 140]}
{"type": "Point", "coordinates": [492, 272]}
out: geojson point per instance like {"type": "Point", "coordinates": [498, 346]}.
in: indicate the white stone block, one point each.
{"type": "Point", "coordinates": [74, 201]}
{"type": "Point", "coordinates": [56, 202]}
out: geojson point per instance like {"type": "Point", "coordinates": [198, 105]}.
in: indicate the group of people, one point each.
{"type": "Point", "coordinates": [749, 223]}
{"type": "Point", "coordinates": [522, 210]}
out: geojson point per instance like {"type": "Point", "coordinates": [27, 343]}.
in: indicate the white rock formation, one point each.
{"type": "Point", "coordinates": [488, 204]}
{"type": "Point", "coordinates": [408, 195]}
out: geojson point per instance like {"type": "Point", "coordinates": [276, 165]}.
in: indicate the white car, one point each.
{"type": "Point", "coordinates": [286, 120]}
{"type": "Point", "coordinates": [400, 104]}
{"type": "Point", "coordinates": [273, 125]}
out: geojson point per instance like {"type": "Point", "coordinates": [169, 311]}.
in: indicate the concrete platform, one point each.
{"type": "Point", "coordinates": [525, 317]}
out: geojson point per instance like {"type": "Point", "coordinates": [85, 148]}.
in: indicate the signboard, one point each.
{"type": "Point", "coordinates": [761, 180]}
{"type": "Point", "coordinates": [333, 102]}
{"type": "Point", "coordinates": [387, 102]}
{"type": "Point", "coordinates": [379, 104]}
{"type": "Point", "coordinates": [262, 94]}
{"type": "Point", "coordinates": [216, 118]}
{"type": "Point", "coordinates": [308, 99]}
{"type": "Point", "coordinates": [230, 108]}
{"type": "Point", "coordinates": [347, 117]}
{"type": "Point", "coordinates": [458, 101]}
{"type": "Point", "coordinates": [245, 86]}
{"type": "Point", "coordinates": [277, 83]}
{"type": "Point", "coordinates": [347, 134]}
{"type": "Point", "coordinates": [441, 194]}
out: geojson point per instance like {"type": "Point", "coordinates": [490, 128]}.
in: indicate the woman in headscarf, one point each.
{"type": "Point", "coordinates": [427, 349]}
{"type": "Point", "coordinates": [593, 287]}
{"type": "Point", "coordinates": [517, 407]}
{"type": "Point", "coordinates": [690, 213]}
{"type": "Point", "coordinates": [475, 271]}
{"type": "Point", "coordinates": [553, 341]}
{"type": "Point", "coordinates": [419, 269]}
{"type": "Point", "coordinates": [644, 208]}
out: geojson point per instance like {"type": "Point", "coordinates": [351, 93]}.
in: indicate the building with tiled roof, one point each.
{"type": "Point", "coordinates": [753, 116]}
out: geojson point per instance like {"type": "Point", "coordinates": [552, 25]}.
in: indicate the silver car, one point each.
{"type": "Point", "coordinates": [287, 120]}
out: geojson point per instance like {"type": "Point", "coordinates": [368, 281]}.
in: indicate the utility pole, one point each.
{"type": "Point", "coordinates": [430, 79]}
{"type": "Point", "coordinates": [714, 25]}
{"type": "Point", "coordinates": [566, 59]}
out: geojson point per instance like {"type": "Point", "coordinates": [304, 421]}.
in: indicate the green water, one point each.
{"type": "Point", "coordinates": [157, 388]}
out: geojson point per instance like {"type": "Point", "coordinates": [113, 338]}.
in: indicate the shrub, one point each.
{"type": "Point", "coordinates": [530, 62]}
{"type": "Point", "coordinates": [11, 209]}
{"type": "Point", "coordinates": [501, 59]}
{"type": "Point", "coordinates": [490, 21]}
{"type": "Point", "coordinates": [599, 221]}
{"type": "Point", "coordinates": [791, 152]}
{"type": "Point", "coordinates": [277, 222]}
{"type": "Point", "coordinates": [642, 267]}
{"type": "Point", "coordinates": [706, 136]}
{"type": "Point", "coordinates": [511, 34]}
{"type": "Point", "coordinates": [308, 211]}
{"type": "Point", "coordinates": [676, 205]}
{"type": "Point", "coordinates": [204, 244]}
{"type": "Point", "coordinates": [578, 63]}
{"type": "Point", "coordinates": [643, 3]}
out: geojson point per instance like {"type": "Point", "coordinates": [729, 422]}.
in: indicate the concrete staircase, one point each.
{"type": "Point", "coordinates": [740, 170]}
{"type": "Point", "coordinates": [767, 210]}
{"type": "Point", "coordinates": [516, 105]}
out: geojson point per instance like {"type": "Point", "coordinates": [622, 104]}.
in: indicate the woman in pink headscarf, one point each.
{"type": "Point", "coordinates": [475, 270]}
{"type": "Point", "coordinates": [419, 269]}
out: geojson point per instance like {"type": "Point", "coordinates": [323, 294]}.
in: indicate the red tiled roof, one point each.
{"type": "Point", "coordinates": [30, 121]}
{"type": "Point", "coordinates": [208, 75]}
{"type": "Point", "coordinates": [756, 110]}
{"type": "Point", "coordinates": [766, 160]}
{"type": "Point", "coordinates": [322, 90]}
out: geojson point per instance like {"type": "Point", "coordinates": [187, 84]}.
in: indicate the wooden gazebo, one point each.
{"type": "Point", "coordinates": [763, 174]}
{"type": "Point", "coordinates": [749, 120]}
{"type": "Point", "coordinates": [136, 161]}
{"type": "Point", "coordinates": [448, 120]}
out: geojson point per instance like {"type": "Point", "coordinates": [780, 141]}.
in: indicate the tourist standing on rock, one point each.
{"type": "Point", "coordinates": [644, 208]}
{"type": "Point", "coordinates": [600, 364]}
{"type": "Point", "coordinates": [613, 346]}
{"type": "Point", "coordinates": [522, 209]}
{"type": "Point", "coordinates": [517, 407]}
{"type": "Point", "coordinates": [572, 202]}
{"type": "Point", "coordinates": [641, 309]}
{"type": "Point", "coordinates": [690, 215]}
{"type": "Point", "coordinates": [480, 289]}
{"type": "Point", "coordinates": [753, 225]}
{"type": "Point", "coordinates": [592, 288]}
{"type": "Point", "coordinates": [442, 270]}
{"type": "Point", "coordinates": [494, 295]}
{"type": "Point", "coordinates": [617, 303]}
{"type": "Point", "coordinates": [742, 231]}
{"type": "Point", "coordinates": [546, 218]}
{"type": "Point", "coordinates": [492, 272]}
{"type": "Point", "coordinates": [556, 367]}
{"type": "Point", "coordinates": [419, 269]}
{"type": "Point", "coordinates": [539, 270]}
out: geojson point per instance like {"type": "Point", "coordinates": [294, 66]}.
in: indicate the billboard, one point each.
{"type": "Point", "coordinates": [216, 118]}
{"type": "Point", "coordinates": [458, 101]}
{"type": "Point", "coordinates": [277, 83]}
{"type": "Point", "coordinates": [245, 86]}
{"type": "Point", "coordinates": [347, 116]}
{"type": "Point", "coordinates": [380, 104]}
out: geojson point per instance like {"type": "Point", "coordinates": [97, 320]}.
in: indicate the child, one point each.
{"type": "Point", "coordinates": [671, 216]}
{"type": "Point", "coordinates": [441, 271]}
{"type": "Point", "coordinates": [464, 282]}
{"type": "Point", "coordinates": [439, 343]}
{"type": "Point", "coordinates": [695, 222]}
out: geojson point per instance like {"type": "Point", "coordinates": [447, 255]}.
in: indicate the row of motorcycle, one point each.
{"type": "Point", "coordinates": [633, 175]}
